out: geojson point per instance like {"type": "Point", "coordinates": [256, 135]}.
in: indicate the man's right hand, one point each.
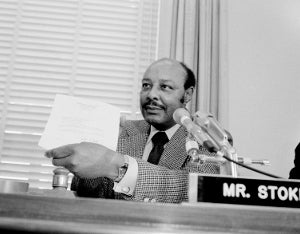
{"type": "Point", "coordinates": [87, 160]}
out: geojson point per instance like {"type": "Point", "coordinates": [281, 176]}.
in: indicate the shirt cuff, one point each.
{"type": "Point", "coordinates": [128, 182]}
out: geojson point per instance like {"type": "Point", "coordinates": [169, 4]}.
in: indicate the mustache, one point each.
{"type": "Point", "coordinates": [153, 103]}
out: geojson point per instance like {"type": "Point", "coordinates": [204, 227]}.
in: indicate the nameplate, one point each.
{"type": "Point", "coordinates": [246, 191]}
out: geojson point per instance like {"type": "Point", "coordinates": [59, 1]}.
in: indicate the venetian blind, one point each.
{"type": "Point", "coordinates": [96, 49]}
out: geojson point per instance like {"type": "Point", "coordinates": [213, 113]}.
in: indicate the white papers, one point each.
{"type": "Point", "coordinates": [73, 120]}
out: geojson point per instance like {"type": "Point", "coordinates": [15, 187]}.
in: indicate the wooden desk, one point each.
{"type": "Point", "coordinates": [41, 214]}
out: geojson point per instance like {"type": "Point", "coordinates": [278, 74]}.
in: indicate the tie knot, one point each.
{"type": "Point", "coordinates": [160, 138]}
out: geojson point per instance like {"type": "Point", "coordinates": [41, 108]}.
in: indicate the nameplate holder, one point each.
{"type": "Point", "coordinates": [245, 191]}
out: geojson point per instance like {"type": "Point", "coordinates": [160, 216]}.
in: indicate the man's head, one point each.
{"type": "Point", "coordinates": [167, 85]}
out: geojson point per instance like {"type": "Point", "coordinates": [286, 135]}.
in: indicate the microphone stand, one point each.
{"type": "Point", "coordinates": [232, 154]}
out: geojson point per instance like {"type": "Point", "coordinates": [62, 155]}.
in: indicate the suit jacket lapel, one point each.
{"type": "Point", "coordinates": [174, 154]}
{"type": "Point", "coordinates": [138, 135]}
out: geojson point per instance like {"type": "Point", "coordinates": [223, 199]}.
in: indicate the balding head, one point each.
{"type": "Point", "coordinates": [188, 75]}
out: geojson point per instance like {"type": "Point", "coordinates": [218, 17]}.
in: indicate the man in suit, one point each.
{"type": "Point", "coordinates": [151, 161]}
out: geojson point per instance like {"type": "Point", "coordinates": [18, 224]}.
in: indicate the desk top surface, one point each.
{"type": "Point", "coordinates": [44, 214]}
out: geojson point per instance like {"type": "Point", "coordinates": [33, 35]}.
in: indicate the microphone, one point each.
{"type": "Point", "coordinates": [214, 129]}
{"type": "Point", "coordinates": [183, 117]}
{"type": "Point", "coordinates": [192, 148]}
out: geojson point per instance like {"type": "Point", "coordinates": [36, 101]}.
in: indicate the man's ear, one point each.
{"type": "Point", "coordinates": [188, 94]}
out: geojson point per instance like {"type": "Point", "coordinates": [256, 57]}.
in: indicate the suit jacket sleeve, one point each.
{"type": "Point", "coordinates": [100, 187]}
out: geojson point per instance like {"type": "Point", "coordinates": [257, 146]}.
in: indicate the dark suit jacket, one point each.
{"type": "Point", "coordinates": [165, 182]}
{"type": "Point", "coordinates": [295, 172]}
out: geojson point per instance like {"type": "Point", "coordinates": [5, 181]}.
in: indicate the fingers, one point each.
{"type": "Point", "coordinates": [66, 163]}
{"type": "Point", "coordinates": [61, 162]}
{"type": "Point", "coordinates": [60, 152]}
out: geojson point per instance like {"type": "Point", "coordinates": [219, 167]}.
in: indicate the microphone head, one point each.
{"type": "Point", "coordinates": [179, 113]}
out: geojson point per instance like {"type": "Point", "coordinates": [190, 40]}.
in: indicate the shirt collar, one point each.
{"type": "Point", "coordinates": [170, 132]}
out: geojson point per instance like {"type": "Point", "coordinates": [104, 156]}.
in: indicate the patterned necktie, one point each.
{"type": "Point", "coordinates": [158, 140]}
